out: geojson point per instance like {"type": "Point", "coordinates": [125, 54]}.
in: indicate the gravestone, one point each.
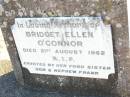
{"type": "Point", "coordinates": [96, 36]}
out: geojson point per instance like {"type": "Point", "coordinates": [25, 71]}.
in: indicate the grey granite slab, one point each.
{"type": "Point", "coordinates": [112, 12]}
{"type": "Point", "coordinates": [10, 88]}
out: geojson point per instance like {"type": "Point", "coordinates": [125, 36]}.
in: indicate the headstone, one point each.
{"type": "Point", "coordinates": [65, 46]}
{"type": "Point", "coordinates": [71, 46]}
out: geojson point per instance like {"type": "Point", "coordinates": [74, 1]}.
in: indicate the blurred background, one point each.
{"type": "Point", "coordinates": [5, 63]}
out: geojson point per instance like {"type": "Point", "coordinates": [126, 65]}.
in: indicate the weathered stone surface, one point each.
{"type": "Point", "coordinates": [112, 11]}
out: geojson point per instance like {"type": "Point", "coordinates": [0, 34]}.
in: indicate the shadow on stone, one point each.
{"type": "Point", "coordinates": [10, 88]}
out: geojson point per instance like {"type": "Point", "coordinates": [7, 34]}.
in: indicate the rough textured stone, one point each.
{"type": "Point", "coordinates": [112, 11]}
